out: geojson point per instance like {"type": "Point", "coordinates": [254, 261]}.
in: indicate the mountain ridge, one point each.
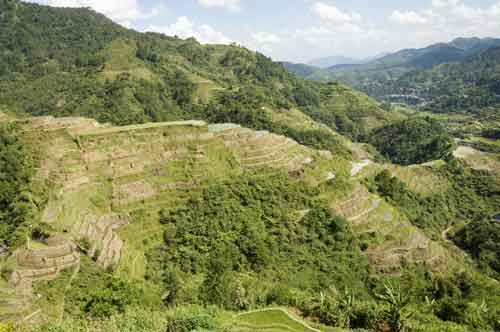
{"type": "Point", "coordinates": [326, 62]}
{"type": "Point", "coordinates": [150, 183]}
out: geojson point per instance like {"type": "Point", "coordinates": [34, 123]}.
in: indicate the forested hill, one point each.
{"type": "Point", "coordinates": [469, 85]}
{"type": "Point", "coordinates": [67, 62]}
{"type": "Point", "coordinates": [461, 75]}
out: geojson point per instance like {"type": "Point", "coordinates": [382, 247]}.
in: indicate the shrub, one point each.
{"type": "Point", "coordinates": [189, 322]}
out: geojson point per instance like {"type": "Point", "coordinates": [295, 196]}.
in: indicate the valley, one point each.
{"type": "Point", "coordinates": [154, 183]}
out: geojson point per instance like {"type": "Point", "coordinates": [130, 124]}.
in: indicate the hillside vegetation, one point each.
{"type": "Point", "coordinates": [413, 141]}
{"type": "Point", "coordinates": [467, 86]}
{"type": "Point", "coordinates": [149, 183]}
{"type": "Point", "coordinates": [104, 71]}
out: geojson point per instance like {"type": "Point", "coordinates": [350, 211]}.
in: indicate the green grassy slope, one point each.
{"type": "Point", "coordinates": [271, 320]}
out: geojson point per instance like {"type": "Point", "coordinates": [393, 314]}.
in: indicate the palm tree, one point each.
{"type": "Point", "coordinates": [397, 301]}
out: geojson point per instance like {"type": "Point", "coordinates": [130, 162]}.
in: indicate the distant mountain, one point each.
{"type": "Point", "coordinates": [435, 54]}
{"type": "Point", "coordinates": [375, 57]}
{"type": "Point", "coordinates": [470, 85]}
{"type": "Point", "coordinates": [474, 45]}
{"type": "Point", "coordinates": [330, 61]}
{"type": "Point", "coordinates": [390, 77]}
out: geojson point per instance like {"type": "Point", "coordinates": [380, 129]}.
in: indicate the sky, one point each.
{"type": "Point", "coordinates": [302, 30]}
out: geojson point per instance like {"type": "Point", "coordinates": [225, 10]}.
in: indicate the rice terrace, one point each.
{"type": "Point", "coordinates": [166, 167]}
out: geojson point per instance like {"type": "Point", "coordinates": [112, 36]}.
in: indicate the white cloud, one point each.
{"type": "Point", "coordinates": [494, 10]}
{"type": "Point", "coordinates": [265, 38]}
{"type": "Point", "coordinates": [233, 5]}
{"type": "Point", "coordinates": [185, 28]}
{"type": "Point", "coordinates": [407, 17]}
{"type": "Point", "coordinates": [119, 10]}
{"type": "Point", "coordinates": [444, 3]}
{"type": "Point", "coordinates": [455, 16]}
{"type": "Point", "coordinates": [333, 14]}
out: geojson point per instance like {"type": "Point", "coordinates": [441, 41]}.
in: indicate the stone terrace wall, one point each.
{"type": "Point", "coordinates": [97, 173]}
{"type": "Point", "coordinates": [101, 233]}
{"type": "Point", "coordinates": [44, 263]}
{"type": "Point", "coordinates": [259, 149]}
{"type": "Point", "coordinates": [402, 242]}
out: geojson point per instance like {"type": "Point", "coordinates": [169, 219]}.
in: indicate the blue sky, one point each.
{"type": "Point", "coordinates": [300, 30]}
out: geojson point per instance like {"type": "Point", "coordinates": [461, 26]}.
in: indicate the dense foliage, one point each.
{"type": "Point", "coordinates": [17, 203]}
{"type": "Point", "coordinates": [481, 238]}
{"type": "Point", "coordinates": [416, 301]}
{"type": "Point", "coordinates": [470, 85]}
{"type": "Point", "coordinates": [257, 241]}
{"type": "Point", "coordinates": [473, 199]}
{"type": "Point", "coordinates": [412, 141]}
{"type": "Point", "coordinates": [244, 106]}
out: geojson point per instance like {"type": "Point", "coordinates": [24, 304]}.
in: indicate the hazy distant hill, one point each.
{"type": "Point", "coordinates": [391, 76]}
{"type": "Point", "coordinates": [432, 55]}
{"type": "Point", "coordinates": [330, 61]}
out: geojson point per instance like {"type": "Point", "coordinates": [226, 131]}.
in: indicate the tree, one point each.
{"type": "Point", "coordinates": [113, 296]}
{"type": "Point", "coordinates": [172, 283]}
{"type": "Point", "coordinates": [16, 200]}
{"type": "Point", "coordinates": [396, 301]}
{"type": "Point", "coordinates": [216, 288]}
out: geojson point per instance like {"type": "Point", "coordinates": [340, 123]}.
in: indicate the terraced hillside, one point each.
{"type": "Point", "coordinates": [38, 262]}
{"type": "Point", "coordinates": [103, 177]}
{"type": "Point", "coordinates": [394, 240]}
{"type": "Point", "coordinates": [100, 176]}
{"type": "Point", "coordinates": [270, 320]}
{"type": "Point", "coordinates": [478, 160]}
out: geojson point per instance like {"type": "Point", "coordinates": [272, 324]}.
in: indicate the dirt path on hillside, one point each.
{"type": "Point", "coordinates": [444, 234]}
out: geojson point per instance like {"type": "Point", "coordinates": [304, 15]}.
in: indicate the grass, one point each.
{"type": "Point", "coordinates": [38, 245]}
{"type": "Point", "coordinates": [144, 233]}
{"type": "Point", "coordinates": [271, 320]}
{"type": "Point", "coordinates": [146, 126]}
{"type": "Point", "coordinates": [486, 141]}
{"type": "Point", "coordinates": [121, 58]}
{"type": "Point", "coordinates": [318, 172]}
{"type": "Point", "coordinates": [421, 179]}
{"type": "Point", "coordinates": [53, 294]}
{"type": "Point", "coordinates": [205, 89]}
{"type": "Point", "coordinates": [294, 118]}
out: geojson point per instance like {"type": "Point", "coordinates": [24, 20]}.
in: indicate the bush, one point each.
{"type": "Point", "coordinates": [112, 297]}
{"type": "Point", "coordinates": [189, 322]}
{"type": "Point", "coordinates": [248, 227]}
